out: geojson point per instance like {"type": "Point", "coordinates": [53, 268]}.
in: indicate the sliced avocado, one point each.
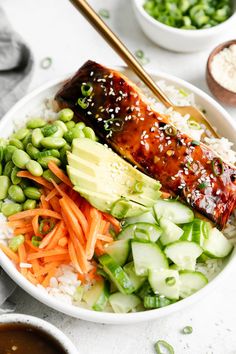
{"type": "Point", "coordinates": [110, 183]}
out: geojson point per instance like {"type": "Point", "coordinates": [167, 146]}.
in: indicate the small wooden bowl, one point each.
{"type": "Point", "coordinates": [222, 94]}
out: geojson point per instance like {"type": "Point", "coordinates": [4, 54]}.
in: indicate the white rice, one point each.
{"type": "Point", "coordinates": [64, 285]}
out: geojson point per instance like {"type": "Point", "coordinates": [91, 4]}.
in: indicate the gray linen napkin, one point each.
{"type": "Point", "coordinates": [16, 64]}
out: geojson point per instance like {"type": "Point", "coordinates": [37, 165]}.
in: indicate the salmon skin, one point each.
{"type": "Point", "coordinates": [124, 118]}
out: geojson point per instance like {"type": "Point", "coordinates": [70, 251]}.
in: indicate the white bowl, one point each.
{"type": "Point", "coordinates": [43, 326]}
{"type": "Point", "coordinates": [219, 118]}
{"type": "Point", "coordinates": [180, 40]}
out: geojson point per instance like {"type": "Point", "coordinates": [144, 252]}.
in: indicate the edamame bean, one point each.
{"type": "Point", "coordinates": [8, 168]}
{"type": "Point", "coordinates": [27, 140]}
{"type": "Point", "coordinates": [36, 123]}
{"type": "Point", "coordinates": [4, 186]}
{"type": "Point", "coordinates": [1, 204]}
{"type": "Point", "coordinates": [29, 204]}
{"type": "Point", "coordinates": [70, 125]}
{"type": "Point", "coordinates": [62, 125]}
{"type": "Point", "coordinates": [9, 152]}
{"type": "Point", "coordinates": [66, 114]}
{"type": "Point", "coordinates": [16, 194]}
{"type": "Point", "coordinates": [20, 158]}
{"type": "Point", "coordinates": [89, 133]}
{"type": "Point", "coordinates": [68, 136]}
{"type": "Point", "coordinates": [20, 134]}
{"type": "Point", "coordinates": [9, 209]}
{"type": "Point", "coordinates": [53, 143]}
{"type": "Point", "coordinates": [49, 129]}
{"type": "Point", "coordinates": [45, 153]}
{"type": "Point", "coordinates": [32, 193]}
{"type": "Point", "coordinates": [17, 143]}
{"type": "Point", "coordinates": [48, 175]}
{"type": "Point", "coordinates": [1, 168]}
{"type": "Point", "coordinates": [32, 151]}
{"type": "Point", "coordinates": [14, 178]}
{"type": "Point", "coordinates": [77, 133]}
{"type": "Point", "coordinates": [80, 125]}
{"type": "Point", "coordinates": [43, 161]}
{"type": "Point", "coordinates": [59, 133]}
{"type": "Point", "coordinates": [25, 183]}
{"type": "Point", "coordinates": [2, 149]}
{"type": "Point", "coordinates": [37, 137]}
{"type": "Point", "coordinates": [34, 168]}
{"type": "Point", "coordinates": [15, 242]}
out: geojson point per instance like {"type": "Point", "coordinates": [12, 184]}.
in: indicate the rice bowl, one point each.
{"type": "Point", "coordinates": [63, 285]}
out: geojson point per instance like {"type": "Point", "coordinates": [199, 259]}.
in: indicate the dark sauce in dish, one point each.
{"type": "Point", "coordinates": [18, 338]}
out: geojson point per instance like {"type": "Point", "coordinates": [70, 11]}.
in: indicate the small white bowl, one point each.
{"type": "Point", "coordinates": [180, 40]}
{"type": "Point", "coordinates": [43, 326]}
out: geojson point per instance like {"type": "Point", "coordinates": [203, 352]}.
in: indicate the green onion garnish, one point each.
{"type": "Point", "coordinates": [46, 63]}
{"type": "Point", "coordinates": [195, 143]}
{"type": "Point", "coordinates": [162, 344]}
{"type": "Point", "coordinates": [183, 92]}
{"type": "Point", "coordinates": [141, 57]}
{"type": "Point", "coordinates": [120, 208]}
{"type": "Point", "coordinates": [193, 124]}
{"type": "Point", "coordinates": [194, 166]}
{"type": "Point", "coordinates": [36, 240]}
{"type": "Point", "coordinates": [82, 102]}
{"type": "Point", "coordinates": [113, 124]}
{"type": "Point", "coordinates": [86, 89]}
{"type": "Point", "coordinates": [171, 130]}
{"type": "Point", "coordinates": [48, 223]}
{"type": "Point", "coordinates": [15, 242]}
{"type": "Point", "coordinates": [170, 281]}
{"type": "Point", "coordinates": [202, 185]}
{"type": "Point", "coordinates": [217, 166]}
{"type": "Point", "coordinates": [104, 13]}
{"type": "Point", "coordinates": [138, 187]}
{"type": "Point", "coordinates": [187, 330]}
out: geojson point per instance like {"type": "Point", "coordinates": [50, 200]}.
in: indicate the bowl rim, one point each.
{"type": "Point", "coordinates": [38, 323]}
{"type": "Point", "coordinates": [106, 317]}
{"type": "Point", "coordinates": [213, 53]}
{"type": "Point", "coordinates": [187, 33]}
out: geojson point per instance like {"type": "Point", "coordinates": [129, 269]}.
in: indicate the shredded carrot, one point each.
{"type": "Point", "coordinates": [48, 237]}
{"type": "Point", "coordinates": [46, 269]}
{"type": "Point", "coordinates": [46, 253]}
{"type": "Point", "coordinates": [93, 231]}
{"type": "Point", "coordinates": [31, 246]}
{"type": "Point", "coordinates": [59, 233]}
{"type": "Point", "coordinates": [9, 253]}
{"type": "Point", "coordinates": [115, 223]}
{"type": "Point", "coordinates": [105, 238]}
{"type": "Point", "coordinates": [165, 195]}
{"type": "Point", "coordinates": [33, 212]}
{"type": "Point", "coordinates": [73, 257]}
{"type": "Point", "coordinates": [80, 252]}
{"type": "Point", "coordinates": [47, 279]}
{"type": "Point", "coordinates": [59, 173]}
{"type": "Point", "coordinates": [31, 278]}
{"type": "Point", "coordinates": [61, 257]}
{"type": "Point", "coordinates": [35, 224]}
{"type": "Point", "coordinates": [23, 230]}
{"type": "Point", "coordinates": [63, 241]}
{"type": "Point", "coordinates": [71, 220]}
{"type": "Point", "coordinates": [39, 180]}
{"type": "Point", "coordinates": [18, 223]}
{"type": "Point", "coordinates": [44, 202]}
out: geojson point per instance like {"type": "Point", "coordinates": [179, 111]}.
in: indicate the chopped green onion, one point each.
{"type": "Point", "coordinates": [187, 330]}
{"type": "Point", "coordinates": [15, 242]}
{"type": "Point", "coordinates": [82, 102]}
{"type": "Point", "coordinates": [139, 54]}
{"type": "Point", "coordinates": [36, 240]}
{"type": "Point", "coordinates": [162, 344]}
{"type": "Point", "coordinates": [46, 63]}
{"type": "Point", "coordinates": [183, 92]}
{"type": "Point", "coordinates": [138, 187]}
{"type": "Point", "coordinates": [193, 166]}
{"type": "Point", "coordinates": [104, 13]}
{"type": "Point", "coordinates": [170, 281]}
{"type": "Point", "coordinates": [113, 124]}
{"type": "Point", "coordinates": [171, 130]}
{"type": "Point", "coordinates": [193, 124]}
{"type": "Point", "coordinates": [46, 222]}
{"type": "Point", "coordinates": [195, 143]}
{"type": "Point", "coordinates": [217, 166]}
{"type": "Point", "coordinates": [86, 89]}
{"type": "Point", "coordinates": [202, 185]}
{"type": "Point", "coordinates": [120, 208]}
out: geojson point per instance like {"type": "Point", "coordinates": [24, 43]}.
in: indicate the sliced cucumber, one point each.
{"type": "Point", "coordinates": [145, 290]}
{"type": "Point", "coordinates": [191, 282]}
{"type": "Point", "coordinates": [135, 279]}
{"type": "Point", "coordinates": [119, 251]}
{"type": "Point", "coordinates": [188, 231]}
{"type": "Point", "coordinates": [116, 274]}
{"type": "Point", "coordinates": [170, 231]}
{"type": "Point", "coordinates": [141, 231]}
{"type": "Point", "coordinates": [217, 245]}
{"type": "Point", "coordinates": [97, 296]}
{"type": "Point", "coordinates": [175, 211]}
{"type": "Point", "coordinates": [145, 217]}
{"type": "Point", "coordinates": [122, 303]}
{"type": "Point", "coordinates": [147, 256]}
{"type": "Point", "coordinates": [154, 302]}
{"type": "Point", "coordinates": [165, 282]}
{"type": "Point", "coordinates": [184, 254]}
{"type": "Point", "coordinates": [200, 231]}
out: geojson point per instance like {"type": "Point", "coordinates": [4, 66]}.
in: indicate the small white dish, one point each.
{"type": "Point", "coordinates": [180, 40]}
{"type": "Point", "coordinates": [43, 326]}
{"type": "Point", "coordinates": [217, 116]}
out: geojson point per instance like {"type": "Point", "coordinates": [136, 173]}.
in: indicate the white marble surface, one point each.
{"type": "Point", "coordinates": [53, 28]}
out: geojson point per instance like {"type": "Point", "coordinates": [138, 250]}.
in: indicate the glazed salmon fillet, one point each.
{"type": "Point", "coordinates": [125, 120]}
